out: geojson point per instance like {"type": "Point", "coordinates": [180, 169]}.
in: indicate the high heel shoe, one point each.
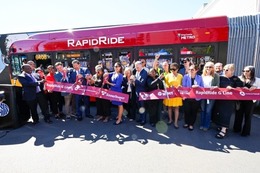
{"type": "Point", "coordinates": [176, 126]}
{"type": "Point", "coordinates": [169, 123]}
{"type": "Point", "coordinates": [117, 123]}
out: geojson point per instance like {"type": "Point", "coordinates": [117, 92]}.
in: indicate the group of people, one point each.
{"type": "Point", "coordinates": [138, 78]}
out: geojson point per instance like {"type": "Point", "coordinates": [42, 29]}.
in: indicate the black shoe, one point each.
{"type": "Point", "coordinates": [185, 126]}
{"type": "Point", "coordinates": [245, 134]}
{"type": "Point", "coordinates": [152, 124]}
{"type": "Point", "coordinates": [89, 116]}
{"type": "Point", "coordinates": [35, 122]}
{"type": "Point", "coordinates": [138, 121]}
{"type": "Point", "coordinates": [142, 123]}
{"type": "Point", "coordinates": [79, 118]}
{"type": "Point", "coordinates": [48, 121]}
{"type": "Point", "coordinates": [169, 123]}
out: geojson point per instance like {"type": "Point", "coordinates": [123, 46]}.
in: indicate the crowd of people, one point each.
{"type": "Point", "coordinates": [137, 78]}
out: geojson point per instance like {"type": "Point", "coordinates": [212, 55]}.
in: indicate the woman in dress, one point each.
{"type": "Point", "coordinates": [173, 79]}
{"type": "Point", "coordinates": [115, 80]}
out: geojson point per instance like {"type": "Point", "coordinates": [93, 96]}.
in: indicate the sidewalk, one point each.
{"type": "Point", "coordinates": [91, 146]}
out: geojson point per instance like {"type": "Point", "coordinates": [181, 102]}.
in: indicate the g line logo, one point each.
{"type": "Point", "coordinates": [4, 109]}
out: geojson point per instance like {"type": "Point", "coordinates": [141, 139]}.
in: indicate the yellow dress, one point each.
{"type": "Point", "coordinates": [172, 81]}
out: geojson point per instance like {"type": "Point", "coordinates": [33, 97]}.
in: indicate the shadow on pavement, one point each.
{"type": "Point", "coordinates": [92, 131]}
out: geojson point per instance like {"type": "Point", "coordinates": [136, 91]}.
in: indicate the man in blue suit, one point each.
{"type": "Point", "coordinates": [140, 86]}
{"type": "Point", "coordinates": [79, 75]}
{"type": "Point", "coordinates": [33, 94]}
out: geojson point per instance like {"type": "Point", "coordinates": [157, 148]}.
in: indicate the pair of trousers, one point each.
{"type": "Point", "coordinates": [191, 107]}
{"type": "Point", "coordinates": [206, 111]}
{"type": "Point", "coordinates": [244, 112]}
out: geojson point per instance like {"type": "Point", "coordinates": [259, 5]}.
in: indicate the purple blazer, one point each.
{"type": "Point", "coordinates": [186, 81]}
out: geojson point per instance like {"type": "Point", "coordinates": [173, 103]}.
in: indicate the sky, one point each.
{"type": "Point", "coordinates": [30, 15]}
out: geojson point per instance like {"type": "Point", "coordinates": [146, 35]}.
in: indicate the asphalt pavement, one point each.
{"type": "Point", "coordinates": [91, 146]}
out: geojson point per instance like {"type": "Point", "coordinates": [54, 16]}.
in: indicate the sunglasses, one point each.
{"type": "Point", "coordinates": [246, 71]}
{"type": "Point", "coordinates": [173, 69]}
{"type": "Point", "coordinates": [184, 62]}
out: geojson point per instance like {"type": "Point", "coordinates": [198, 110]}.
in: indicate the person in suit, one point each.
{"type": "Point", "coordinates": [33, 95]}
{"type": "Point", "coordinates": [61, 75]}
{"type": "Point", "coordinates": [81, 76]}
{"type": "Point", "coordinates": [140, 86]}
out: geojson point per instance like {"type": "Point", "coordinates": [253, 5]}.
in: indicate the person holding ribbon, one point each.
{"type": "Point", "coordinates": [226, 107]}
{"type": "Point", "coordinates": [191, 106]}
{"type": "Point", "coordinates": [246, 107]}
{"type": "Point", "coordinates": [140, 86]}
{"type": "Point", "coordinates": [154, 82]}
{"type": "Point", "coordinates": [115, 80]}
{"type": "Point", "coordinates": [52, 96]}
{"type": "Point", "coordinates": [61, 75]}
{"type": "Point", "coordinates": [210, 80]}
{"type": "Point", "coordinates": [173, 79]}
{"type": "Point", "coordinates": [80, 76]}
{"type": "Point", "coordinates": [129, 88]}
{"type": "Point", "coordinates": [33, 95]}
{"type": "Point", "coordinates": [102, 105]}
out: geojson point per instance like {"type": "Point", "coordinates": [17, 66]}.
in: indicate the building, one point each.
{"type": "Point", "coordinates": [244, 26]}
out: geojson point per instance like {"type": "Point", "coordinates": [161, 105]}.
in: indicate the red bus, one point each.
{"type": "Point", "coordinates": [201, 39]}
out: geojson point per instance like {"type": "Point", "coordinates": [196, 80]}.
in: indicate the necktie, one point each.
{"type": "Point", "coordinates": [38, 89]}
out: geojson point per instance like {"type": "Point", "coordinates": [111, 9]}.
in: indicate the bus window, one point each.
{"type": "Point", "coordinates": [68, 57]}
{"type": "Point", "coordinates": [154, 51]}
{"type": "Point", "coordinates": [124, 58]}
{"type": "Point", "coordinates": [42, 60]}
{"type": "Point", "coordinates": [16, 64]}
{"type": "Point", "coordinates": [107, 57]}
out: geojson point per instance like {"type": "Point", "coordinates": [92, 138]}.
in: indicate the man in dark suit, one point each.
{"type": "Point", "coordinates": [33, 95]}
{"type": "Point", "coordinates": [140, 86]}
{"type": "Point", "coordinates": [79, 75]}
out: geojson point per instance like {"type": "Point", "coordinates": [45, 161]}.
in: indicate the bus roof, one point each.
{"type": "Point", "coordinates": [214, 29]}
